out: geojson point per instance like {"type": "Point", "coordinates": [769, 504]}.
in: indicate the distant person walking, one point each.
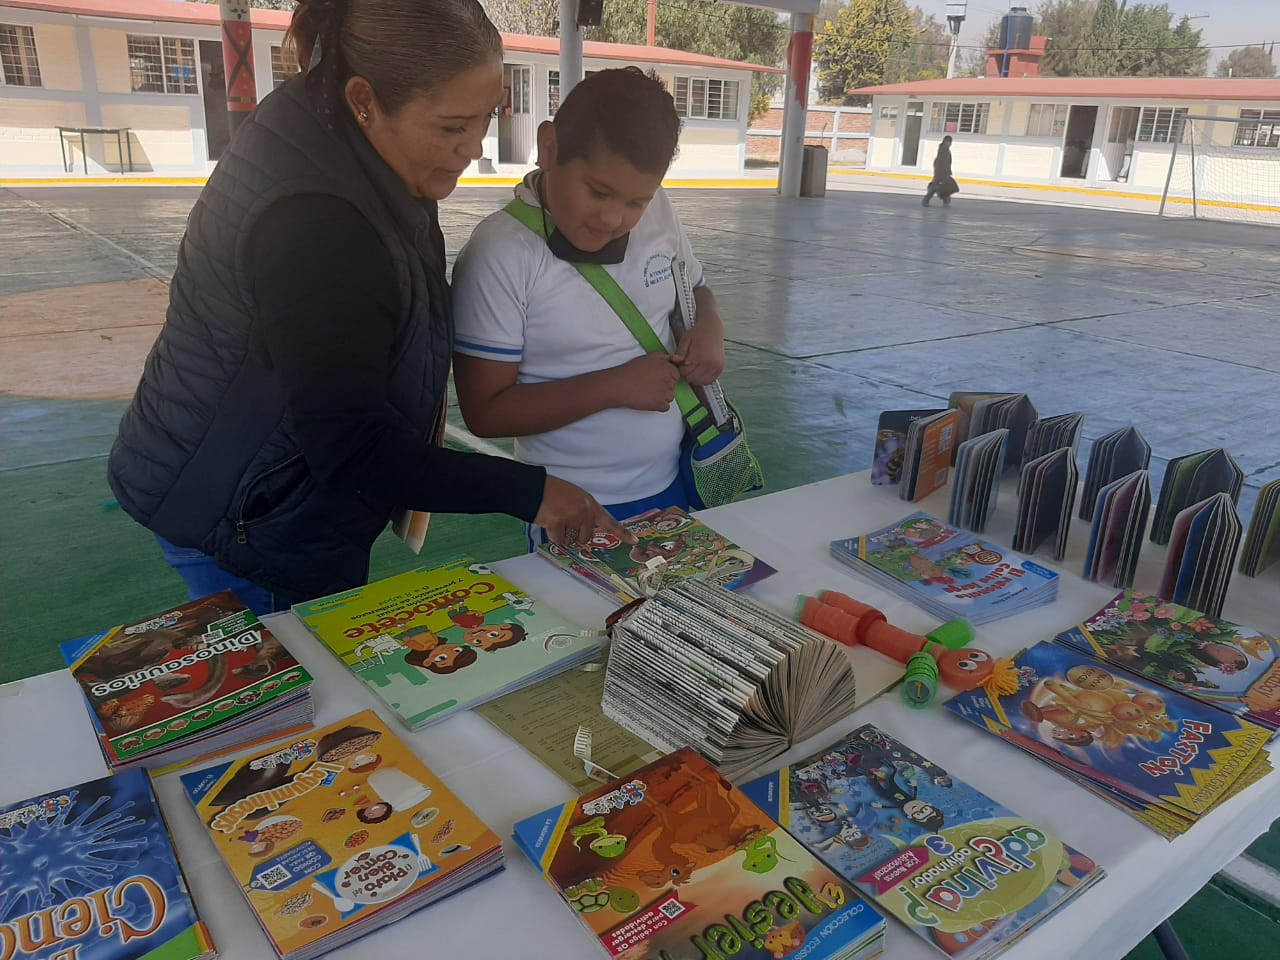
{"type": "Point", "coordinates": [942, 184]}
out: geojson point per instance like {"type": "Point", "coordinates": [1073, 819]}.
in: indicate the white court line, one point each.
{"type": "Point", "coordinates": [1257, 878]}
{"type": "Point", "coordinates": [158, 273]}
{"type": "Point", "coordinates": [468, 439]}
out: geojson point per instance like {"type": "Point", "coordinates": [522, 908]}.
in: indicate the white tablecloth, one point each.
{"type": "Point", "coordinates": [47, 742]}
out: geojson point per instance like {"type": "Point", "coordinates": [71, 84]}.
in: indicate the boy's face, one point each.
{"type": "Point", "coordinates": [593, 199]}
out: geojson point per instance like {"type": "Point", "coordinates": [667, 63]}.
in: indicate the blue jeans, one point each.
{"type": "Point", "coordinates": [203, 576]}
{"type": "Point", "coordinates": [673, 496]}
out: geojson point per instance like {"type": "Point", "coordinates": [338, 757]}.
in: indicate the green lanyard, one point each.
{"type": "Point", "coordinates": [701, 425]}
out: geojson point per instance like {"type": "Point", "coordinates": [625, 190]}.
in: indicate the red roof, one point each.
{"type": "Point", "coordinates": [1135, 88]}
{"type": "Point", "coordinates": [179, 11]}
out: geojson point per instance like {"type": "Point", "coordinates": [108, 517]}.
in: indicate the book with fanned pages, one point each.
{"type": "Point", "coordinates": [437, 640]}
{"type": "Point", "coordinates": [1165, 758]}
{"type": "Point", "coordinates": [187, 682]}
{"type": "Point", "coordinates": [338, 832]}
{"type": "Point", "coordinates": [673, 862]}
{"type": "Point", "coordinates": [90, 872]}
{"type": "Point", "coordinates": [963, 872]}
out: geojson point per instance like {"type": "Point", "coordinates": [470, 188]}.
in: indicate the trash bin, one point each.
{"type": "Point", "coordinates": [813, 172]}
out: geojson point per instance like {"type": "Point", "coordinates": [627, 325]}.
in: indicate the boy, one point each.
{"type": "Point", "coordinates": [540, 356]}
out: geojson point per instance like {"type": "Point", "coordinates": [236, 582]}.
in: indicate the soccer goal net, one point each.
{"type": "Point", "coordinates": [1226, 169]}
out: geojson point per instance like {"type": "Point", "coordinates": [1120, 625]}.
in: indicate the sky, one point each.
{"type": "Point", "coordinates": [1234, 23]}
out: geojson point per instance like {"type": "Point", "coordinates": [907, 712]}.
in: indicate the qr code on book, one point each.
{"type": "Point", "coordinates": [672, 908]}
{"type": "Point", "coordinates": [273, 877]}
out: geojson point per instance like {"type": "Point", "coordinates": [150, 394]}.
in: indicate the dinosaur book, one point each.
{"type": "Point", "coordinates": [963, 872]}
{"type": "Point", "coordinates": [436, 640]}
{"type": "Point", "coordinates": [189, 680]}
{"type": "Point", "coordinates": [673, 862]}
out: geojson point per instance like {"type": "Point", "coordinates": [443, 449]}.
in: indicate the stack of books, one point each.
{"type": "Point", "coordinates": [90, 871]}
{"type": "Point", "coordinates": [699, 666]}
{"type": "Point", "coordinates": [946, 571]}
{"type": "Point", "coordinates": [338, 833]}
{"type": "Point", "coordinates": [1164, 758]}
{"type": "Point", "coordinates": [188, 682]}
{"type": "Point", "coordinates": [925, 846]}
{"type": "Point", "coordinates": [670, 546]}
{"type": "Point", "coordinates": [1215, 661]}
{"type": "Point", "coordinates": [674, 862]}
{"type": "Point", "coordinates": [1262, 542]}
{"type": "Point", "coordinates": [439, 640]}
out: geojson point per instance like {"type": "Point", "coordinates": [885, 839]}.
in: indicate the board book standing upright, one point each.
{"type": "Point", "coordinates": [963, 872]}
{"type": "Point", "coordinates": [437, 640]}
{"type": "Point", "coordinates": [673, 862]}
{"type": "Point", "coordinates": [89, 872]}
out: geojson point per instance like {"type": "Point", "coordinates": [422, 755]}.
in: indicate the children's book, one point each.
{"type": "Point", "coordinates": [437, 640]}
{"type": "Point", "coordinates": [927, 460]}
{"type": "Point", "coordinates": [670, 546]}
{"type": "Point", "coordinates": [1116, 535]}
{"type": "Point", "coordinates": [1262, 542]}
{"type": "Point", "coordinates": [674, 862]}
{"type": "Point", "coordinates": [1220, 663]}
{"type": "Point", "coordinates": [337, 832]}
{"type": "Point", "coordinates": [1168, 758]}
{"type": "Point", "coordinates": [1201, 554]}
{"type": "Point", "coordinates": [1192, 479]}
{"type": "Point", "coordinates": [982, 412]}
{"type": "Point", "coordinates": [976, 486]}
{"type": "Point", "coordinates": [1116, 455]}
{"type": "Point", "coordinates": [90, 872]}
{"type": "Point", "coordinates": [947, 571]}
{"type": "Point", "coordinates": [891, 443]}
{"type": "Point", "coordinates": [1053, 433]}
{"type": "Point", "coordinates": [187, 682]}
{"type": "Point", "coordinates": [963, 872]}
{"type": "Point", "coordinates": [1046, 494]}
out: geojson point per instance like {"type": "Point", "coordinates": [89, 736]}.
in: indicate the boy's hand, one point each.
{"type": "Point", "coordinates": [647, 382]}
{"type": "Point", "coordinates": [572, 516]}
{"type": "Point", "coordinates": [699, 355]}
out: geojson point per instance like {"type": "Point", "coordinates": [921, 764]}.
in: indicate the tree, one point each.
{"type": "Point", "coordinates": [854, 49]}
{"type": "Point", "coordinates": [1247, 62]}
{"type": "Point", "coordinates": [1106, 38]}
{"type": "Point", "coordinates": [739, 33]}
{"type": "Point", "coordinates": [535, 17]}
{"type": "Point", "coordinates": [924, 56]}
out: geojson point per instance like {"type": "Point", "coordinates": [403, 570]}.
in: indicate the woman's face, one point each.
{"type": "Point", "coordinates": [433, 138]}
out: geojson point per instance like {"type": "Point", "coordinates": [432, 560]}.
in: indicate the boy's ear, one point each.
{"type": "Point", "coordinates": [546, 144]}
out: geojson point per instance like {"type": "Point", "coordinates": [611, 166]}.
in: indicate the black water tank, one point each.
{"type": "Point", "coordinates": [1015, 29]}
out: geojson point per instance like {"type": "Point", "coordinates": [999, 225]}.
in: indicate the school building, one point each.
{"type": "Point", "coordinates": [102, 87]}
{"type": "Point", "coordinates": [1108, 133]}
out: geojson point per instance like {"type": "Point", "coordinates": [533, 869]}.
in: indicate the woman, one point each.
{"type": "Point", "coordinates": [941, 174]}
{"type": "Point", "coordinates": [289, 405]}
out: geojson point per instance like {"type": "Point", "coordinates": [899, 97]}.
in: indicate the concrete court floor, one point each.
{"type": "Point", "coordinates": [836, 309]}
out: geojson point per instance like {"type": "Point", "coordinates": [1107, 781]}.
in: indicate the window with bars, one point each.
{"type": "Point", "coordinates": [703, 98]}
{"type": "Point", "coordinates": [1263, 131]}
{"type": "Point", "coordinates": [956, 117]}
{"type": "Point", "coordinates": [1047, 120]}
{"type": "Point", "coordinates": [162, 65]}
{"type": "Point", "coordinates": [284, 65]}
{"type": "Point", "coordinates": [553, 90]}
{"type": "Point", "coordinates": [1160, 124]}
{"type": "Point", "coordinates": [18, 56]}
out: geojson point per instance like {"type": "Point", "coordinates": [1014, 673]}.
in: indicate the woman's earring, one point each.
{"type": "Point", "coordinates": [362, 117]}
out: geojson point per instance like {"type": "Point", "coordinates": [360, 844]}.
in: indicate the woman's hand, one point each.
{"type": "Point", "coordinates": [647, 382]}
{"type": "Point", "coordinates": [699, 354]}
{"type": "Point", "coordinates": [572, 516]}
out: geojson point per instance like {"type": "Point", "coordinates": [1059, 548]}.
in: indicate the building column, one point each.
{"type": "Point", "coordinates": [795, 106]}
{"type": "Point", "coordinates": [570, 47]}
{"type": "Point", "coordinates": [237, 59]}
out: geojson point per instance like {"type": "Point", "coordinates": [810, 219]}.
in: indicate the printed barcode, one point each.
{"type": "Point", "coordinates": [672, 908]}
{"type": "Point", "coordinates": [274, 876]}
{"type": "Point", "coordinates": [940, 477]}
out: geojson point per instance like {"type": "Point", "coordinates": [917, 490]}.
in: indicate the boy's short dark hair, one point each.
{"type": "Point", "coordinates": [625, 112]}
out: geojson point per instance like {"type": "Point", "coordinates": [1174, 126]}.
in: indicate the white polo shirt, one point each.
{"type": "Point", "coordinates": [515, 302]}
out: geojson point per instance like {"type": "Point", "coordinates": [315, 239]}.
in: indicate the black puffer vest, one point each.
{"type": "Point", "coordinates": [206, 454]}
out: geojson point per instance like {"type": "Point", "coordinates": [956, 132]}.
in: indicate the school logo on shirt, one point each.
{"type": "Point", "coordinates": [657, 270]}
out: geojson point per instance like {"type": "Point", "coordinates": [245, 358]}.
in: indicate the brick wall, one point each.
{"type": "Point", "coordinates": [854, 126]}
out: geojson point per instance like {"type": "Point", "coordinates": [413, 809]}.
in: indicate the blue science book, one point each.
{"type": "Point", "coordinates": [90, 872]}
{"type": "Point", "coordinates": [673, 862]}
{"type": "Point", "coordinates": [947, 571]}
{"type": "Point", "coordinates": [1148, 747]}
{"type": "Point", "coordinates": [959, 869]}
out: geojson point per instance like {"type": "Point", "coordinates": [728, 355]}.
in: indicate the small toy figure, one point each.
{"type": "Point", "coordinates": [848, 621]}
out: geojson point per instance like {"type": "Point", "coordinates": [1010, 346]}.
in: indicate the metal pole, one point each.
{"type": "Point", "coordinates": [570, 47]}
{"type": "Point", "coordinates": [1173, 158]}
{"type": "Point", "coordinates": [651, 24]}
{"type": "Point", "coordinates": [795, 106]}
{"type": "Point", "coordinates": [1190, 127]}
{"type": "Point", "coordinates": [237, 61]}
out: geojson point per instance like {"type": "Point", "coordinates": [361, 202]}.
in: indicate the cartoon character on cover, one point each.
{"type": "Point", "coordinates": [848, 835]}
{"type": "Point", "coordinates": [784, 941]}
{"type": "Point", "coordinates": [895, 775]}
{"type": "Point", "coordinates": [428, 651]}
{"type": "Point", "coordinates": [495, 636]}
{"type": "Point", "coordinates": [920, 530]}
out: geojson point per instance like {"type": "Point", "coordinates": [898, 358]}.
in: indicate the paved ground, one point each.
{"type": "Point", "coordinates": [837, 309]}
